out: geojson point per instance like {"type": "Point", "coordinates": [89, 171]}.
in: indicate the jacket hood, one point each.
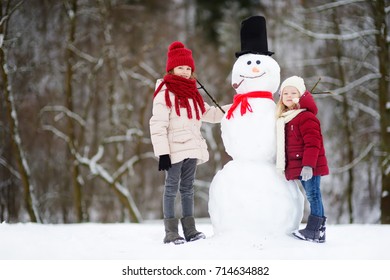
{"type": "Point", "coordinates": [158, 82]}
{"type": "Point", "coordinates": [307, 102]}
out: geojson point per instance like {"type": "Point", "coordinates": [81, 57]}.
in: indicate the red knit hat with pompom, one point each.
{"type": "Point", "coordinates": [179, 55]}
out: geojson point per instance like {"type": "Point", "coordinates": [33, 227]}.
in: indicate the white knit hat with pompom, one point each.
{"type": "Point", "coordinates": [296, 82]}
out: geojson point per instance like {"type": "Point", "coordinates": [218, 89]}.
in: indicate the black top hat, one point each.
{"type": "Point", "coordinates": [254, 36]}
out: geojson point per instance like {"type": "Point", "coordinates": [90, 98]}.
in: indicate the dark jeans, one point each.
{"type": "Point", "coordinates": [313, 194]}
{"type": "Point", "coordinates": [183, 174]}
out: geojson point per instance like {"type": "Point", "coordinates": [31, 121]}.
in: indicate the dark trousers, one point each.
{"type": "Point", "coordinates": [180, 177]}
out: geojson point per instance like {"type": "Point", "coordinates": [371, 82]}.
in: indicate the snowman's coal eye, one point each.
{"type": "Point", "coordinates": [249, 62]}
{"type": "Point", "coordinates": [258, 61]}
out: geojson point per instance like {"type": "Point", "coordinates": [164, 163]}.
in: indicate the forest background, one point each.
{"type": "Point", "coordinates": [77, 83]}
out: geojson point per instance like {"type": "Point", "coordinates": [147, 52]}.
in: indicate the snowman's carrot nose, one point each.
{"type": "Point", "coordinates": [255, 70]}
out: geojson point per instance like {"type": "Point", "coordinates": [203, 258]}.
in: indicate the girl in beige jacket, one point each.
{"type": "Point", "coordinates": [178, 112]}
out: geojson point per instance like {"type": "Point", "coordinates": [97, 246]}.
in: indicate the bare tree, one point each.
{"type": "Point", "coordinates": [347, 122]}
{"type": "Point", "coordinates": [23, 167]}
{"type": "Point", "coordinates": [381, 21]}
{"type": "Point", "coordinates": [78, 143]}
{"type": "Point", "coordinates": [71, 11]}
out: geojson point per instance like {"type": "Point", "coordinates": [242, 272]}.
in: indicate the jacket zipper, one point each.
{"type": "Point", "coordinates": [293, 131]}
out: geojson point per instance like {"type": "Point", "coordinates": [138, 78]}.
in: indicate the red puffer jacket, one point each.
{"type": "Point", "coordinates": [304, 142]}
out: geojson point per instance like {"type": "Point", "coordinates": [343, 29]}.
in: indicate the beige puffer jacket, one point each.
{"type": "Point", "coordinates": [179, 136]}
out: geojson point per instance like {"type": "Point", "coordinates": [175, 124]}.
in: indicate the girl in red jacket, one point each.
{"type": "Point", "coordinates": [300, 151]}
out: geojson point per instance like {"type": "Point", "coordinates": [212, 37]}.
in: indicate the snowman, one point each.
{"type": "Point", "coordinates": [248, 195]}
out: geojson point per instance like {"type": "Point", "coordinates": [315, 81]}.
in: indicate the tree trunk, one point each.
{"type": "Point", "coordinates": [347, 122]}
{"type": "Point", "coordinates": [12, 117]}
{"type": "Point", "coordinates": [378, 9]}
{"type": "Point", "coordinates": [69, 57]}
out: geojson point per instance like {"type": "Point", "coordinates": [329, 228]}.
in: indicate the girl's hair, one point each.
{"type": "Point", "coordinates": [281, 108]}
{"type": "Point", "coordinates": [193, 76]}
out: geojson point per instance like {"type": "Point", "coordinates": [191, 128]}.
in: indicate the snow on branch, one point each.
{"type": "Point", "coordinates": [10, 168]}
{"type": "Point", "coordinates": [150, 70]}
{"type": "Point", "coordinates": [355, 161]}
{"type": "Point", "coordinates": [332, 5]}
{"type": "Point", "coordinates": [350, 88]}
{"type": "Point", "coordinates": [326, 36]}
{"type": "Point", "coordinates": [66, 111]}
{"type": "Point", "coordinates": [5, 17]}
{"type": "Point", "coordinates": [141, 78]}
{"type": "Point", "coordinates": [98, 155]}
{"type": "Point", "coordinates": [128, 165]}
{"type": "Point", "coordinates": [122, 73]}
{"type": "Point", "coordinates": [101, 172]}
{"type": "Point", "coordinates": [359, 105]}
{"type": "Point", "coordinates": [82, 54]}
{"type": "Point", "coordinates": [357, 83]}
{"type": "Point", "coordinates": [69, 10]}
{"type": "Point", "coordinates": [123, 138]}
{"type": "Point", "coordinates": [92, 163]}
{"type": "Point", "coordinates": [56, 132]}
{"type": "Point", "coordinates": [98, 170]}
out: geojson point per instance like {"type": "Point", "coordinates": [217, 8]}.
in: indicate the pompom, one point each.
{"type": "Point", "coordinates": [176, 45]}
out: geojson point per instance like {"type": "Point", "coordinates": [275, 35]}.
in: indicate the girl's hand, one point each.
{"type": "Point", "coordinates": [164, 163]}
{"type": "Point", "coordinates": [306, 173]}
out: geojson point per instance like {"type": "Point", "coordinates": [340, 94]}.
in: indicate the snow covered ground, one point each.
{"type": "Point", "coordinates": [34, 245]}
{"type": "Point", "coordinates": [144, 242]}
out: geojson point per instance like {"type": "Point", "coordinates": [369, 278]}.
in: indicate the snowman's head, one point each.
{"type": "Point", "coordinates": [255, 72]}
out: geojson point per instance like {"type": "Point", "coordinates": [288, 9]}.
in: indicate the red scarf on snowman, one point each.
{"type": "Point", "coordinates": [183, 89]}
{"type": "Point", "coordinates": [243, 100]}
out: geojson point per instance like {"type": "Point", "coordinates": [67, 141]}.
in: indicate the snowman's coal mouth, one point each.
{"type": "Point", "coordinates": [247, 77]}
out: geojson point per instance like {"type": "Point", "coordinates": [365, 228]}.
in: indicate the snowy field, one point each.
{"type": "Point", "coordinates": [34, 245]}
{"type": "Point", "coordinates": [144, 242]}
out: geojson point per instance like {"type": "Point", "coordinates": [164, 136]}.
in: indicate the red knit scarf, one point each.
{"type": "Point", "coordinates": [183, 89]}
{"type": "Point", "coordinates": [243, 99]}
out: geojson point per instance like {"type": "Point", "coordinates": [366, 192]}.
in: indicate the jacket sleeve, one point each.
{"type": "Point", "coordinates": [312, 138]}
{"type": "Point", "coordinates": [214, 114]}
{"type": "Point", "coordinates": [159, 123]}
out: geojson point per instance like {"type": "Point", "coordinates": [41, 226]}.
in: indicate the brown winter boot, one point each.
{"type": "Point", "coordinates": [190, 232]}
{"type": "Point", "coordinates": [171, 232]}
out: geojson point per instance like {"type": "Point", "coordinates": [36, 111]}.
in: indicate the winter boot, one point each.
{"type": "Point", "coordinates": [190, 232]}
{"type": "Point", "coordinates": [312, 230]}
{"type": "Point", "coordinates": [322, 231]}
{"type": "Point", "coordinates": [171, 231]}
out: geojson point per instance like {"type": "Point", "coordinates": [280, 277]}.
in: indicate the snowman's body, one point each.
{"type": "Point", "coordinates": [250, 143]}
{"type": "Point", "coordinates": [248, 194]}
